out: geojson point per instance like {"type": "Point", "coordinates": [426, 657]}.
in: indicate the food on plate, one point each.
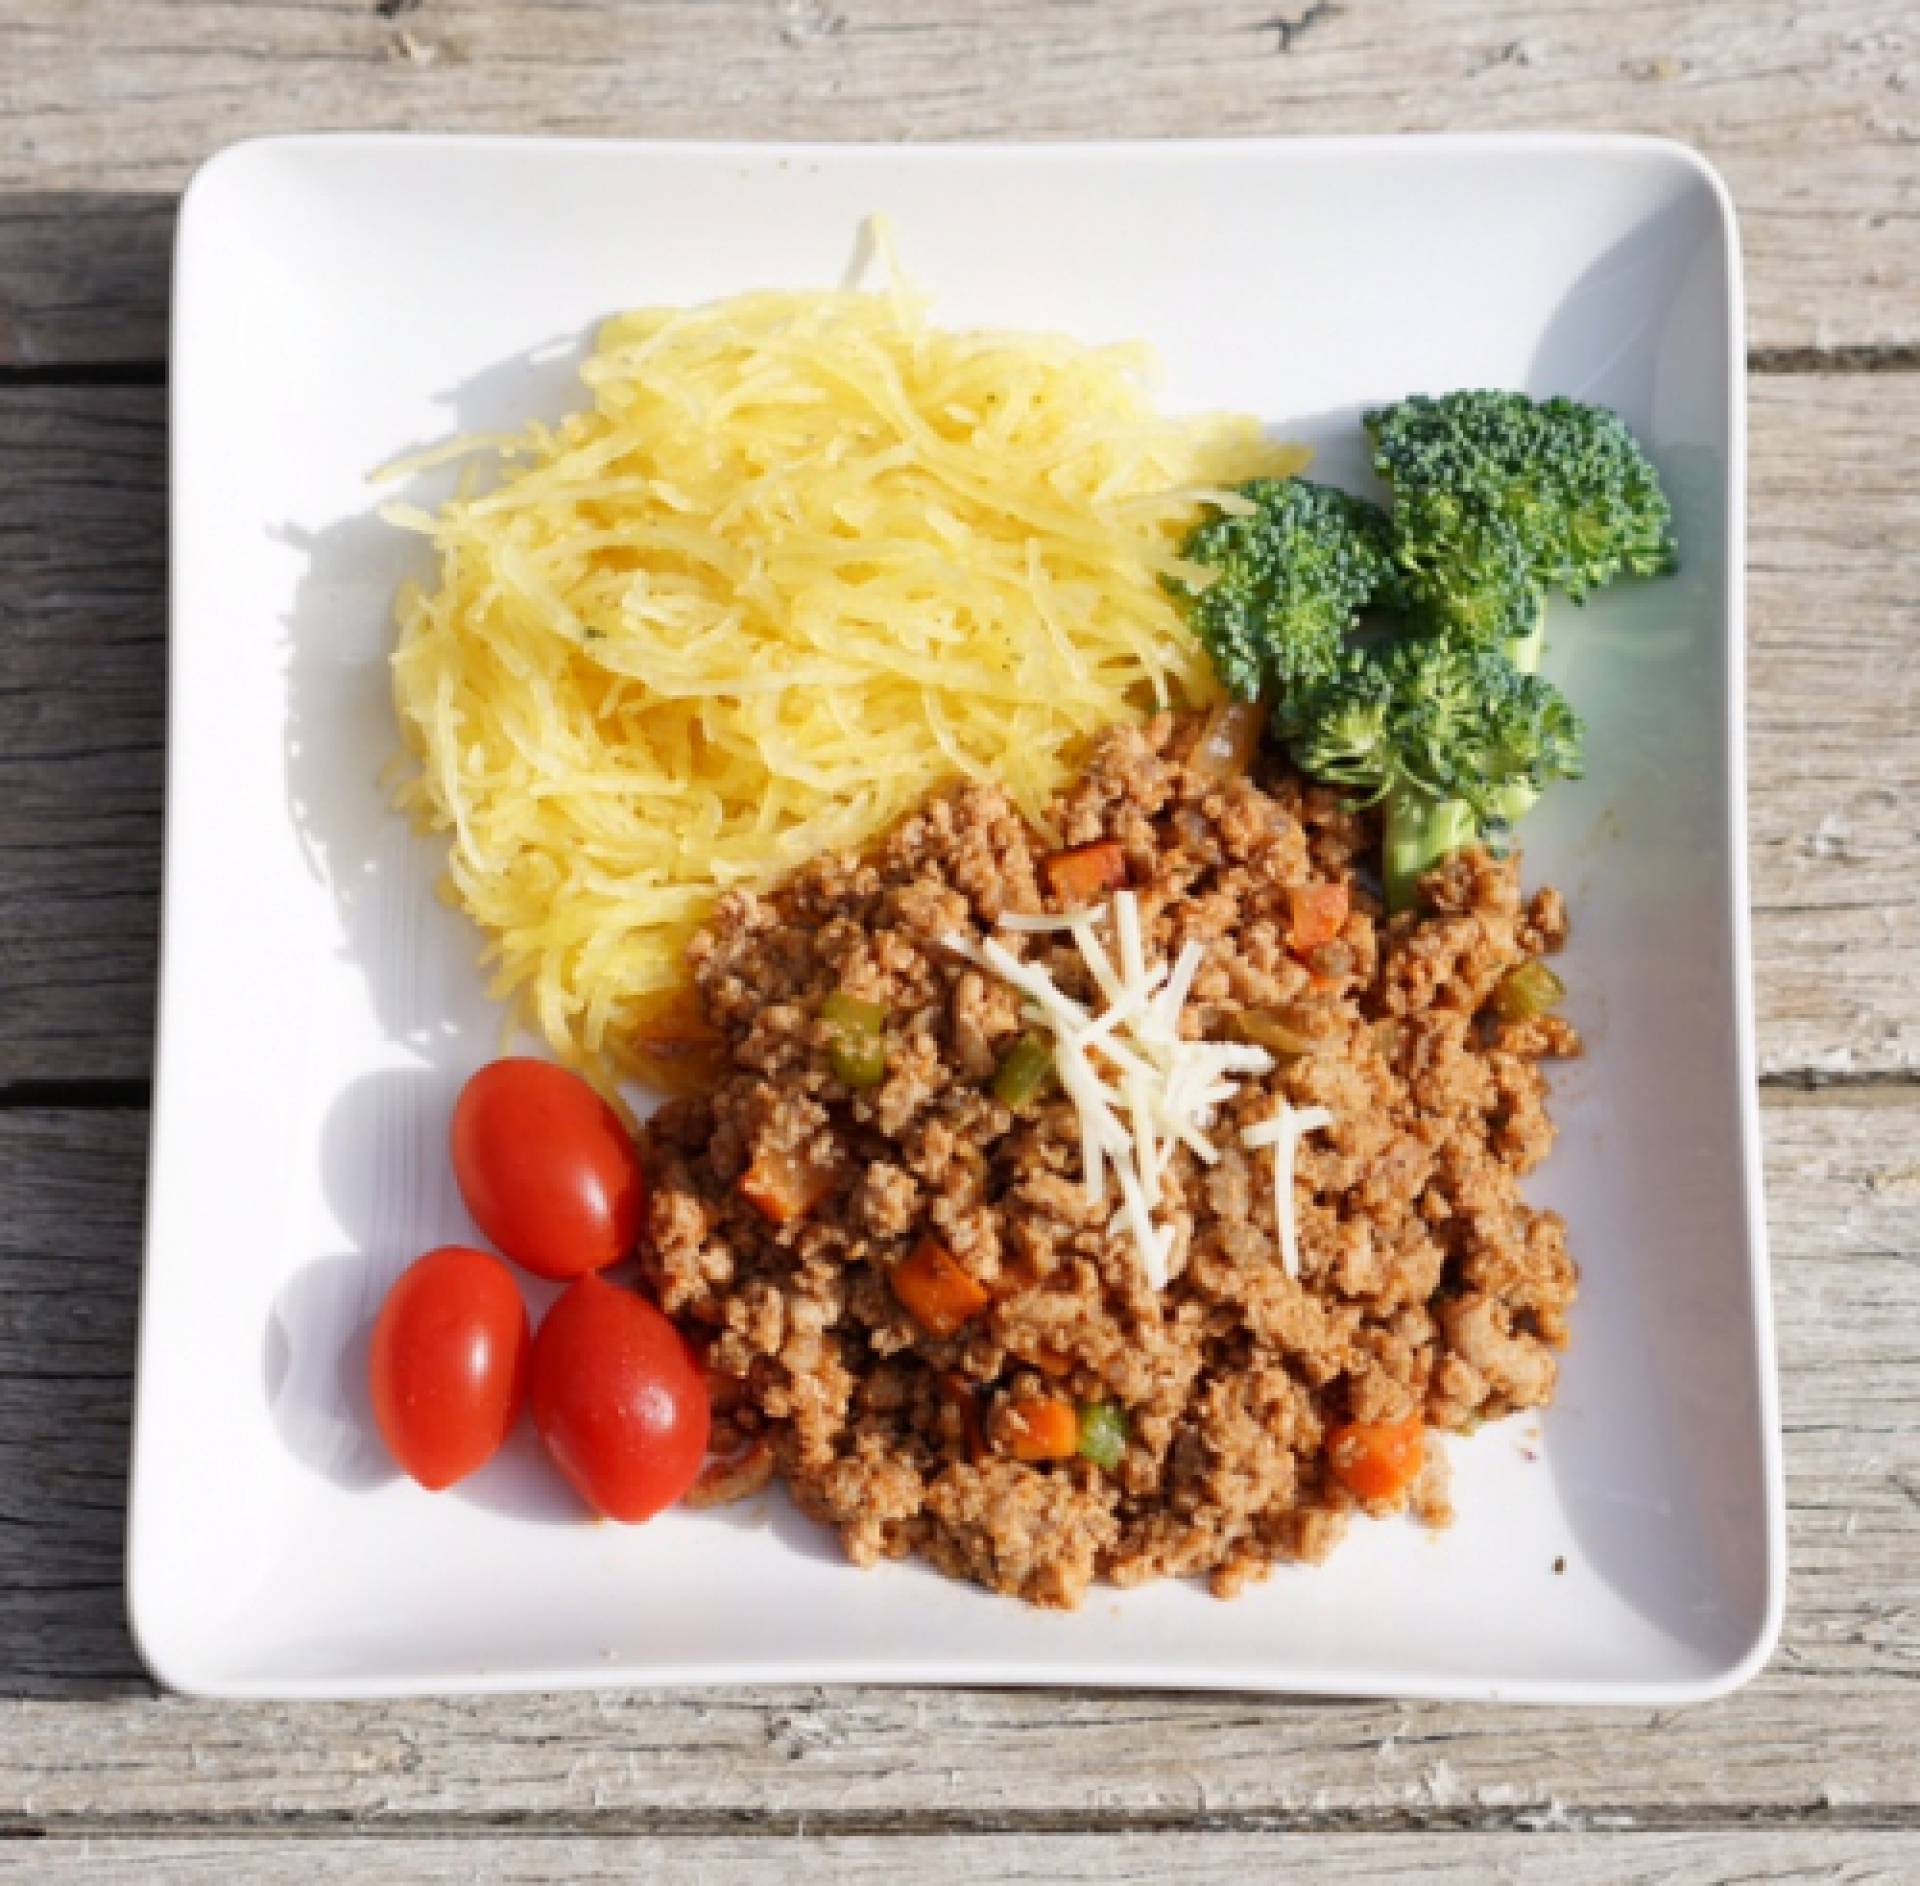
{"type": "Point", "coordinates": [1500, 500]}
{"type": "Point", "coordinates": [1436, 709]}
{"type": "Point", "coordinates": [547, 1168]}
{"type": "Point", "coordinates": [618, 1399]}
{"type": "Point", "coordinates": [552, 1176]}
{"type": "Point", "coordinates": [1377, 1461]}
{"type": "Point", "coordinates": [448, 1364]}
{"type": "Point", "coordinates": [1453, 742]}
{"type": "Point", "coordinates": [1247, 1223]}
{"type": "Point", "coordinates": [805, 558]}
{"type": "Point", "coordinates": [1280, 579]}
{"type": "Point", "coordinates": [1055, 863]}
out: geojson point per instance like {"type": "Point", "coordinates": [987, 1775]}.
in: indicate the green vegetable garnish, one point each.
{"type": "Point", "coordinates": [1493, 492]}
{"type": "Point", "coordinates": [1291, 578]}
{"type": "Point", "coordinates": [1456, 741]}
{"type": "Point", "coordinates": [1404, 647]}
{"type": "Point", "coordinates": [1019, 1079]}
{"type": "Point", "coordinates": [1527, 993]}
{"type": "Point", "coordinates": [1103, 1432]}
{"type": "Point", "coordinates": [858, 1054]}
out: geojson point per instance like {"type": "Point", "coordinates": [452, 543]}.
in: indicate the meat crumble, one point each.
{"type": "Point", "coordinates": [788, 1205]}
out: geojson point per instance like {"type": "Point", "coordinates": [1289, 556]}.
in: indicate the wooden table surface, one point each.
{"type": "Point", "coordinates": [1812, 110]}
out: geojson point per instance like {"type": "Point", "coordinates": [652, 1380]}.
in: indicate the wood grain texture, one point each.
{"type": "Point", "coordinates": [1834, 713]}
{"type": "Point", "coordinates": [1807, 105]}
{"type": "Point", "coordinates": [1833, 722]}
{"type": "Point", "coordinates": [82, 727]}
{"type": "Point", "coordinates": [1827, 1730]}
{"type": "Point", "coordinates": [1828, 1856]}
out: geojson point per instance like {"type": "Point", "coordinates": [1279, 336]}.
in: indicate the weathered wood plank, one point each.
{"type": "Point", "coordinates": [83, 481]}
{"type": "Point", "coordinates": [109, 104]}
{"type": "Point", "coordinates": [1830, 1726]}
{"type": "Point", "coordinates": [1809, 1855]}
{"type": "Point", "coordinates": [1834, 714]}
{"type": "Point", "coordinates": [1833, 718]}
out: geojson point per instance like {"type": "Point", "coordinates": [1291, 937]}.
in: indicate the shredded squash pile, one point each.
{"type": "Point", "coordinates": [805, 557]}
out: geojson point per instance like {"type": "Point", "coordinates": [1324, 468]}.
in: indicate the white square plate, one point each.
{"type": "Point", "coordinates": [340, 300]}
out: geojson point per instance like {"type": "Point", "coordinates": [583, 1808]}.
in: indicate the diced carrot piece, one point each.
{"type": "Point", "coordinates": [1228, 741]}
{"type": "Point", "coordinates": [1041, 1430]}
{"type": "Point", "coordinates": [782, 1186]}
{"type": "Point", "coordinates": [1080, 875]}
{"type": "Point", "coordinates": [936, 1290]}
{"type": "Point", "coordinates": [1377, 1461]}
{"type": "Point", "coordinates": [1316, 913]}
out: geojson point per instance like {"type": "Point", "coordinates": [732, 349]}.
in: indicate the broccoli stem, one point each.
{"type": "Point", "coordinates": [1420, 832]}
{"type": "Point", "coordinates": [1525, 653]}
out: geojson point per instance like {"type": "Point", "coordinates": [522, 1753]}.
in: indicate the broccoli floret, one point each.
{"type": "Point", "coordinates": [1293, 574]}
{"type": "Point", "coordinates": [1457, 741]}
{"type": "Point", "coordinates": [1478, 591]}
{"type": "Point", "coordinates": [1499, 500]}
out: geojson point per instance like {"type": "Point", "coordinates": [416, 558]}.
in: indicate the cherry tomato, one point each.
{"type": "Point", "coordinates": [448, 1368]}
{"type": "Point", "coordinates": [618, 1399]}
{"type": "Point", "coordinates": [547, 1169]}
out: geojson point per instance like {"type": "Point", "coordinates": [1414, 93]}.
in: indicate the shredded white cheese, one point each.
{"type": "Point", "coordinates": [1282, 1132]}
{"type": "Point", "coordinates": [1139, 1087]}
{"type": "Point", "coordinates": [1022, 923]}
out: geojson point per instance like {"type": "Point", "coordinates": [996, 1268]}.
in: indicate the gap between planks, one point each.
{"type": "Point", "coordinates": [1198, 1856]}
{"type": "Point", "coordinates": [1465, 1822]}
{"type": "Point", "coordinates": [1462, 1824]}
{"type": "Point", "coordinates": [76, 1096]}
{"type": "Point", "coordinates": [1465, 1819]}
{"type": "Point", "coordinates": [1767, 362]}
{"type": "Point", "coordinates": [1881, 1088]}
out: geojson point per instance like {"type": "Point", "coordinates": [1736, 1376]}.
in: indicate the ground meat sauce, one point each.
{"type": "Point", "coordinates": [1428, 1286]}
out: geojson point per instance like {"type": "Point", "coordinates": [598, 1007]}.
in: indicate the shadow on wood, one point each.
{"type": "Point", "coordinates": [83, 664]}
{"type": "Point", "coordinates": [66, 296]}
{"type": "Point", "coordinates": [74, 1183]}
